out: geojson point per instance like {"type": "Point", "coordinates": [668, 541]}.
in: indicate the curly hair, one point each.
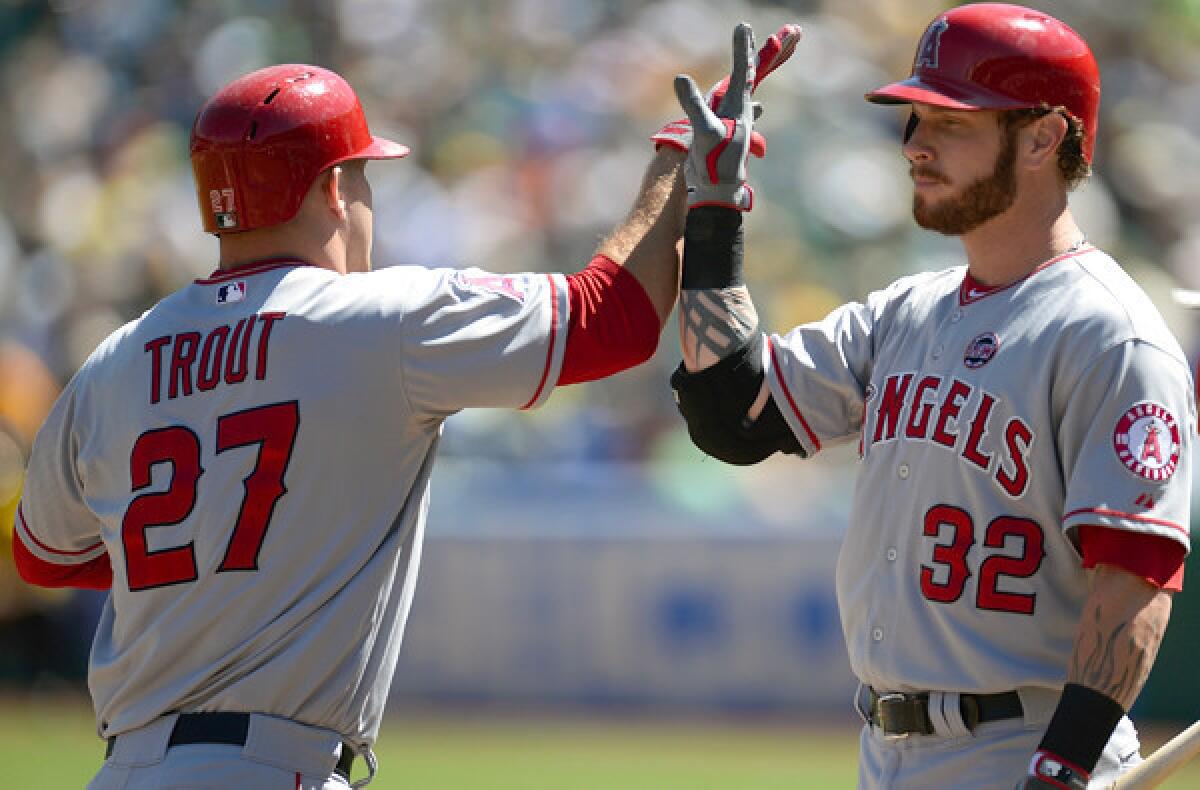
{"type": "Point", "coordinates": [1072, 164]}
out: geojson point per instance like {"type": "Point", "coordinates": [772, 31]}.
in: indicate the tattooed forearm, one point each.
{"type": "Point", "coordinates": [713, 323]}
{"type": "Point", "coordinates": [1111, 663]}
{"type": "Point", "coordinates": [1123, 625]}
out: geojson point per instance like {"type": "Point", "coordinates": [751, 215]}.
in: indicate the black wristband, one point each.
{"type": "Point", "coordinates": [712, 248]}
{"type": "Point", "coordinates": [1082, 724]}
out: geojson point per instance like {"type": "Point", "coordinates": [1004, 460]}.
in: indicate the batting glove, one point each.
{"type": "Point", "coordinates": [774, 53]}
{"type": "Point", "coordinates": [715, 169]}
{"type": "Point", "coordinates": [1048, 771]}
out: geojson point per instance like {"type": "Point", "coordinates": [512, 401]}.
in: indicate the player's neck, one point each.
{"type": "Point", "coordinates": [1010, 246]}
{"type": "Point", "coordinates": [240, 249]}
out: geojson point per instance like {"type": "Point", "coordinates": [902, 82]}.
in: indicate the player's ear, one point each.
{"type": "Point", "coordinates": [330, 184]}
{"type": "Point", "coordinates": [1040, 139]}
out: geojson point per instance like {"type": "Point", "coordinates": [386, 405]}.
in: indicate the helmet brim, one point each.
{"type": "Point", "coordinates": [943, 93]}
{"type": "Point", "coordinates": [378, 148]}
{"type": "Point", "coordinates": [381, 148]}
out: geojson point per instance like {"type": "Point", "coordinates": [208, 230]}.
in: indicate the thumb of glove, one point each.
{"type": "Point", "coordinates": [693, 103]}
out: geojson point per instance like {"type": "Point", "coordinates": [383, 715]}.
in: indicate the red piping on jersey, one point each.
{"type": "Point", "coordinates": [963, 299]}
{"type": "Point", "coordinates": [47, 549]}
{"type": "Point", "coordinates": [787, 394]}
{"type": "Point", "coordinates": [94, 574]}
{"type": "Point", "coordinates": [550, 347]}
{"type": "Point", "coordinates": [1099, 511]}
{"type": "Point", "coordinates": [247, 269]}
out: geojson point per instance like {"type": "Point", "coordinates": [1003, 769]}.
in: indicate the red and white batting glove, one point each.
{"type": "Point", "coordinates": [715, 168]}
{"type": "Point", "coordinates": [1048, 771]}
{"type": "Point", "coordinates": [773, 53]}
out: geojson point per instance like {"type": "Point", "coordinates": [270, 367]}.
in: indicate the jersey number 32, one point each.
{"type": "Point", "coordinates": [952, 557]}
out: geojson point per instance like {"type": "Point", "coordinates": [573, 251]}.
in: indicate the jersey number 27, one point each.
{"type": "Point", "coordinates": [272, 428]}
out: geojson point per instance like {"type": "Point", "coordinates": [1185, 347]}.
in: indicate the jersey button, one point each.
{"type": "Point", "coordinates": [956, 316]}
{"type": "Point", "coordinates": [877, 634]}
{"type": "Point", "coordinates": [903, 471]}
{"type": "Point", "coordinates": [891, 555]}
{"type": "Point", "coordinates": [937, 351]}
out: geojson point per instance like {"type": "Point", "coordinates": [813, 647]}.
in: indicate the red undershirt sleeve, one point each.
{"type": "Point", "coordinates": [613, 324]}
{"type": "Point", "coordinates": [1156, 559]}
{"type": "Point", "coordinates": [92, 575]}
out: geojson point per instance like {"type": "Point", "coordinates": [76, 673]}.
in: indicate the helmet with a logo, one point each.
{"type": "Point", "coordinates": [995, 56]}
{"type": "Point", "coordinates": [259, 143]}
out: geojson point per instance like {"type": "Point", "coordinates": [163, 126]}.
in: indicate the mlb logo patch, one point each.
{"type": "Point", "coordinates": [231, 292]}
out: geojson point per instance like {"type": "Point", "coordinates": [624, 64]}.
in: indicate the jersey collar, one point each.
{"type": "Point", "coordinates": [251, 268]}
{"type": "Point", "coordinates": [972, 290]}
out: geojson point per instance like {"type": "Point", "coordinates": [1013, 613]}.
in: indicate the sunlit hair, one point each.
{"type": "Point", "coordinates": [1071, 162]}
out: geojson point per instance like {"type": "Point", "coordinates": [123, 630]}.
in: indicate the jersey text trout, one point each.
{"type": "Point", "coordinates": [200, 362]}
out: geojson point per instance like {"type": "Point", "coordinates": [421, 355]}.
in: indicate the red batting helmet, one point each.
{"type": "Point", "coordinates": [259, 143]}
{"type": "Point", "coordinates": [994, 56]}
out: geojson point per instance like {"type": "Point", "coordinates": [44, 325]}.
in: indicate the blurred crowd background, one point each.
{"type": "Point", "coordinates": [528, 121]}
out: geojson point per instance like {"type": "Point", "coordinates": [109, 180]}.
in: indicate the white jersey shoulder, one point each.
{"type": "Point", "coordinates": [1108, 300]}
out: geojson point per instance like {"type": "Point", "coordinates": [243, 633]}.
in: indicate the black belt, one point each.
{"type": "Point", "coordinates": [900, 715]}
{"type": "Point", "coordinates": [229, 728]}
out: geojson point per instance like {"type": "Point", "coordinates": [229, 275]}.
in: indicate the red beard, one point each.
{"type": "Point", "coordinates": [977, 203]}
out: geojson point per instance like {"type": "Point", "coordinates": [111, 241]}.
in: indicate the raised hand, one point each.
{"type": "Point", "coordinates": [773, 53]}
{"type": "Point", "coordinates": [716, 165]}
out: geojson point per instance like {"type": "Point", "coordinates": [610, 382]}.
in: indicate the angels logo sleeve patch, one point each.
{"type": "Point", "coordinates": [1147, 441]}
{"type": "Point", "coordinates": [515, 287]}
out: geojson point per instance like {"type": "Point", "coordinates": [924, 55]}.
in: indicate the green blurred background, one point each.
{"type": "Point", "coordinates": [600, 605]}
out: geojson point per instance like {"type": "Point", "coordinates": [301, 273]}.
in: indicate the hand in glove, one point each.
{"type": "Point", "coordinates": [716, 165]}
{"type": "Point", "coordinates": [774, 53]}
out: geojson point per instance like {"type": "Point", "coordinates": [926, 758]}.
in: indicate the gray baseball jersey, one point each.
{"type": "Point", "coordinates": [254, 455]}
{"type": "Point", "coordinates": [991, 424]}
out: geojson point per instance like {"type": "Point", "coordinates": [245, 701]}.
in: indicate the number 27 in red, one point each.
{"type": "Point", "coordinates": [272, 428]}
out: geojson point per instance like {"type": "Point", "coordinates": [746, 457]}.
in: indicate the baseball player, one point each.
{"type": "Point", "coordinates": [1023, 421]}
{"type": "Point", "coordinates": [246, 466]}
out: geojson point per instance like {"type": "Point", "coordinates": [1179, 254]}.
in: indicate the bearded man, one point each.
{"type": "Point", "coordinates": [1021, 515]}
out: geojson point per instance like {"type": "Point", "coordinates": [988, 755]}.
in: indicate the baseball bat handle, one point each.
{"type": "Point", "coordinates": [1166, 760]}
